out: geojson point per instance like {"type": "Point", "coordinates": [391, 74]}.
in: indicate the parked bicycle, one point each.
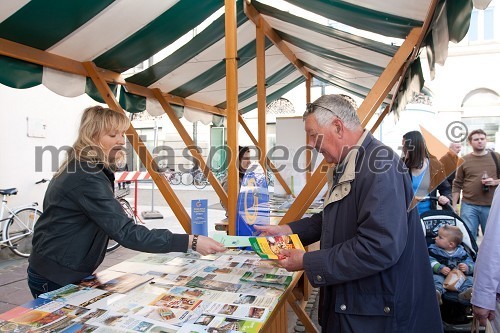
{"type": "Point", "coordinates": [173, 177]}
{"type": "Point", "coordinates": [200, 181]}
{"type": "Point", "coordinates": [194, 177]}
{"type": "Point", "coordinates": [18, 225]}
{"type": "Point", "coordinates": [220, 174]}
{"type": "Point", "coordinates": [120, 196]}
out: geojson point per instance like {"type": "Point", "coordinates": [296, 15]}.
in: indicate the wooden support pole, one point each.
{"type": "Point", "coordinates": [141, 150]}
{"type": "Point", "coordinates": [261, 94]}
{"type": "Point", "coordinates": [303, 317]}
{"type": "Point", "coordinates": [308, 151]}
{"type": "Point", "coordinates": [307, 195]}
{"type": "Point", "coordinates": [233, 187]}
{"type": "Point", "coordinates": [191, 146]}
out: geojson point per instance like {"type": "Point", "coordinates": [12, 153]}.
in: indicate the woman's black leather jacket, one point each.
{"type": "Point", "coordinates": [80, 214]}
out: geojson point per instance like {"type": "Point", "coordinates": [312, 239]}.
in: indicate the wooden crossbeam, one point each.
{"type": "Point", "coordinates": [191, 146]}
{"type": "Point", "coordinates": [46, 59]}
{"type": "Point", "coordinates": [301, 314]}
{"type": "Point", "coordinates": [380, 118]}
{"type": "Point", "coordinates": [389, 76]}
{"type": "Point", "coordinates": [307, 195]}
{"type": "Point", "coordinates": [254, 15]}
{"type": "Point", "coordinates": [268, 162]}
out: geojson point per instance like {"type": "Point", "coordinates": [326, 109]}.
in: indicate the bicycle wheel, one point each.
{"type": "Point", "coordinates": [175, 178]}
{"type": "Point", "coordinates": [112, 244]}
{"type": "Point", "coordinates": [187, 178]}
{"type": "Point", "coordinates": [200, 181]}
{"type": "Point", "coordinates": [19, 230]}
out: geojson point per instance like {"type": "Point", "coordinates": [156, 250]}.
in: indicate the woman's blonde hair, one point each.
{"type": "Point", "coordinates": [95, 122]}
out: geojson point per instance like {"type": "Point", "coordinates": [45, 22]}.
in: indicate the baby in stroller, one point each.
{"type": "Point", "coordinates": [446, 254]}
{"type": "Point", "coordinates": [456, 313]}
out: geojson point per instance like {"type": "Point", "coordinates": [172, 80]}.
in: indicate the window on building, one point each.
{"type": "Point", "coordinates": [482, 25]}
{"type": "Point", "coordinates": [489, 24]}
{"type": "Point", "coordinates": [473, 33]}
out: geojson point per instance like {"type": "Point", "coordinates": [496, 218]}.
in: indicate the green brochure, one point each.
{"type": "Point", "coordinates": [232, 241]}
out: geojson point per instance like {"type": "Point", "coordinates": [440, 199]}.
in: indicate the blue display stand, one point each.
{"type": "Point", "coordinates": [199, 217]}
{"type": "Point", "coordinates": [253, 201]}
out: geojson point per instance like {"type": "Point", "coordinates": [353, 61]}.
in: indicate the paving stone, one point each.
{"type": "Point", "coordinates": [300, 328]}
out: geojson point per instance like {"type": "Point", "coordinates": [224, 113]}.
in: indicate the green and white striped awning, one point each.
{"type": "Point", "coordinates": [119, 35]}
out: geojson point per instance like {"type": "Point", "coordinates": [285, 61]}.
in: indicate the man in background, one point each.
{"type": "Point", "coordinates": [477, 179]}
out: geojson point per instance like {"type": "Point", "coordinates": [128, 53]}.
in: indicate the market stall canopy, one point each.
{"type": "Point", "coordinates": [343, 43]}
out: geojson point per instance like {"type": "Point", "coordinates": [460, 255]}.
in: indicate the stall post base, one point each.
{"type": "Point", "coordinates": [154, 214]}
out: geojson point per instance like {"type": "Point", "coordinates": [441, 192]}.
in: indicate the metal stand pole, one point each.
{"type": "Point", "coordinates": [153, 214]}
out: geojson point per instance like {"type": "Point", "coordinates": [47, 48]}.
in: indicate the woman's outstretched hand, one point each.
{"type": "Point", "coordinates": [206, 245]}
{"type": "Point", "coordinates": [273, 230]}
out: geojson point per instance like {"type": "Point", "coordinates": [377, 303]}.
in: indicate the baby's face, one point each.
{"type": "Point", "coordinates": [442, 240]}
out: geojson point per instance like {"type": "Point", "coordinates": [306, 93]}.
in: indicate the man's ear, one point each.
{"type": "Point", "coordinates": [337, 126]}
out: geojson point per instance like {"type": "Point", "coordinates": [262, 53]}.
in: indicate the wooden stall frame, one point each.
{"type": "Point", "coordinates": [191, 145]}
{"type": "Point", "coordinates": [268, 162]}
{"type": "Point", "coordinates": [261, 94]}
{"type": "Point", "coordinates": [233, 186]}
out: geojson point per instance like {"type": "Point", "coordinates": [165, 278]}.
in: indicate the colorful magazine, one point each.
{"type": "Point", "coordinates": [270, 247]}
{"type": "Point", "coordinates": [116, 282]}
{"type": "Point", "coordinates": [267, 279]}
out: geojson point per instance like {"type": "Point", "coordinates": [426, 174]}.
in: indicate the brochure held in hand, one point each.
{"type": "Point", "coordinates": [269, 247]}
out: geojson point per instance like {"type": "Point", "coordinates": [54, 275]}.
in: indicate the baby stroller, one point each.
{"type": "Point", "coordinates": [456, 316]}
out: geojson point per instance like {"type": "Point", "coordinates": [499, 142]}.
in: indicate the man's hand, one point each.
{"type": "Point", "coordinates": [292, 260]}
{"type": "Point", "coordinates": [463, 267]}
{"type": "Point", "coordinates": [445, 270]}
{"type": "Point", "coordinates": [273, 230]}
{"type": "Point", "coordinates": [483, 314]}
{"type": "Point", "coordinates": [489, 181]}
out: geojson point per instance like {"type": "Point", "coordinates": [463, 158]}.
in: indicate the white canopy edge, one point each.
{"type": "Point", "coordinates": [63, 83]}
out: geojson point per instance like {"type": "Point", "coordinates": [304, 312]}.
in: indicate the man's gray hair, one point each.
{"type": "Point", "coordinates": [327, 107]}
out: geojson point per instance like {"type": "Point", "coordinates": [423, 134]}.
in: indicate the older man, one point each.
{"type": "Point", "coordinates": [372, 267]}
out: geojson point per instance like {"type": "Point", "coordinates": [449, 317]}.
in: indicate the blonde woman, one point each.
{"type": "Point", "coordinates": [81, 212]}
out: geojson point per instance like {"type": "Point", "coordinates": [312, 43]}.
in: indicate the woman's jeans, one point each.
{"type": "Point", "coordinates": [38, 284]}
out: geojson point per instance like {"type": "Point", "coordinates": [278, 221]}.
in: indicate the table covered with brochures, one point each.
{"type": "Point", "coordinates": [234, 291]}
